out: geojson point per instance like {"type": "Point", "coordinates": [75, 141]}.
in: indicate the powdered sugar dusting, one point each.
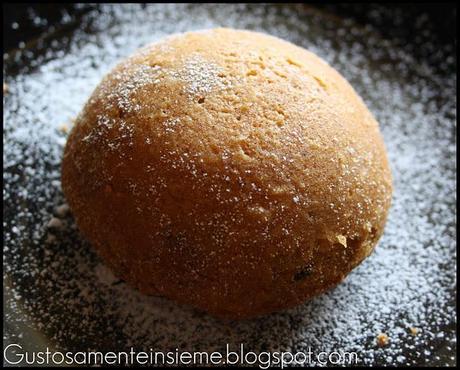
{"type": "Point", "coordinates": [56, 285]}
{"type": "Point", "coordinates": [199, 75]}
{"type": "Point", "coordinates": [129, 83]}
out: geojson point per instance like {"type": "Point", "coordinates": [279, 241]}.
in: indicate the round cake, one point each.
{"type": "Point", "coordinates": [228, 170]}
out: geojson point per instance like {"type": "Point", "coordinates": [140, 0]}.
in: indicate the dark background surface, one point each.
{"type": "Point", "coordinates": [26, 21]}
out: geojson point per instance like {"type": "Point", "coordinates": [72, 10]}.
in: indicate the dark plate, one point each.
{"type": "Point", "coordinates": [57, 292]}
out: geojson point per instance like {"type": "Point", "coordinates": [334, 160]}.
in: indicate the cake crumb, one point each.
{"type": "Point", "coordinates": [62, 210]}
{"type": "Point", "coordinates": [55, 223]}
{"type": "Point", "coordinates": [413, 330]}
{"type": "Point", "coordinates": [382, 340]}
{"type": "Point", "coordinates": [64, 128]}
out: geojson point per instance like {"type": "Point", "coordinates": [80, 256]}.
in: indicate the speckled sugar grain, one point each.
{"type": "Point", "coordinates": [57, 285]}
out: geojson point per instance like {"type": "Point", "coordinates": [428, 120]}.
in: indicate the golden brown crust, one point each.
{"type": "Point", "coordinates": [228, 170]}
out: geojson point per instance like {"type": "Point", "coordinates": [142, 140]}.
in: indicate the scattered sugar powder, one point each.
{"type": "Point", "coordinates": [171, 124]}
{"type": "Point", "coordinates": [200, 76]}
{"type": "Point", "coordinates": [128, 83]}
{"type": "Point", "coordinates": [56, 287]}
